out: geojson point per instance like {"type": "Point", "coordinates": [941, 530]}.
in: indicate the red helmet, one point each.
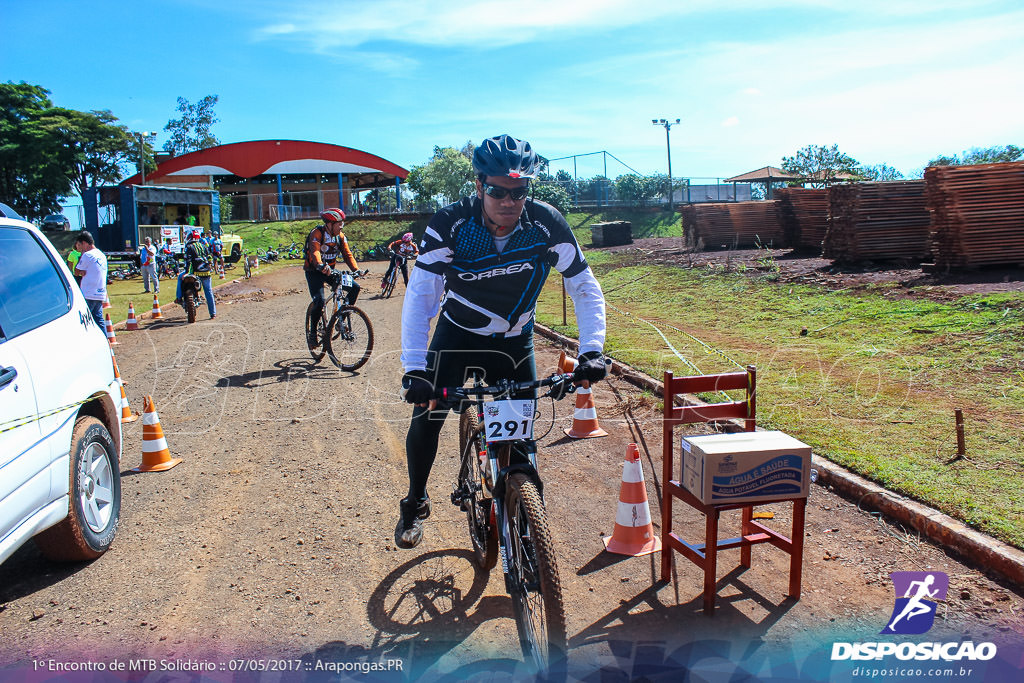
{"type": "Point", "coordinates": [332, 215]}
{"type": "Point", "coordinates": [196, 234]}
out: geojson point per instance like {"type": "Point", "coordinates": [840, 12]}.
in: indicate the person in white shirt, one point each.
{"type": "Point", "coordinates": [147, 263]}
{"type": "Point", "coordinates": [92, 268]}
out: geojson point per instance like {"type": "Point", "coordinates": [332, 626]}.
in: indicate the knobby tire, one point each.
{"type": "Point", "coordinates": [537, 590]}
{"type": "Point", "coordinates": [190, 308]}
{"type": "Point", "coordinates": [482, 533]}
{"type": "Point", "coordinates": [389, 286]}
{"type": "Point", "coordinates": [349, 350]}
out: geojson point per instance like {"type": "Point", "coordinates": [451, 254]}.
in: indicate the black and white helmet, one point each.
{"type": "Point", "coordinates": [504, 155]}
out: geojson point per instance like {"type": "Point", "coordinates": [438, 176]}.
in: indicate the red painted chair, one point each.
{"type": "Point", "coordinates": [705, 555]}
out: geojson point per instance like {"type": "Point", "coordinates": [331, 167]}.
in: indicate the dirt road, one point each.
{"type": "Point", "coordinates": [273, 540]}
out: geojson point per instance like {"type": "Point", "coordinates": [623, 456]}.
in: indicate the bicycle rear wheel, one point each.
{"type": "Point", "coordinates": [534, 583]}
{"type": "Point", "coordinates": [316, 331]}
{"type": "Point", "coordinates": [349, 338]}
{"type": "Point", "coordinates": [474, 500]}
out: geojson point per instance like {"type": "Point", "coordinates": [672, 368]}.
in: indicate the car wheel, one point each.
{"type": "Point", "coordinates": [95, 506]}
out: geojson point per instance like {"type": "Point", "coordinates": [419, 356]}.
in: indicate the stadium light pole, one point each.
{"type": "Point", "coordinates": [142, 158]}
{"type": "Point", "coordinates": [668, 148]}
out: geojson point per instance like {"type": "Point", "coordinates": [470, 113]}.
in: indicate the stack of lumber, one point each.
{"type": "Point", "coordinates": [803, 215]}
{"type": "Point", "coordinates": [733, 224]}
{"type": "Point", "coordinates": [977, 214]}
{"type": "Point", "coordinates": [877, 222]}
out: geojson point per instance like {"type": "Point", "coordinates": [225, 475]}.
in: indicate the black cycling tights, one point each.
{"type": "Point", "coordinates": [454, 354]}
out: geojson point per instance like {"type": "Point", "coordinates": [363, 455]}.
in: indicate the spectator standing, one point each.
{"type": "Point", "coordinates": [72, 261]}
{"type": "Point", "coordinates": [147, 263]}
{"type": "Point", "coordinates": [216, 246]}
{"type": "Point", "coordinates": [92, 268]}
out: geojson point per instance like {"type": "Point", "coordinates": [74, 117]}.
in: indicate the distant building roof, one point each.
{"type": "Point", "coordinates": [259, 157]}
{"type": "Point", "coordinates": [767, 173]}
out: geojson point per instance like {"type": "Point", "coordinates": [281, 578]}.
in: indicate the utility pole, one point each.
{"type": "Point", "coordinates": [668, 148]}
{"type": "Point", "coordinates": [142, 157]}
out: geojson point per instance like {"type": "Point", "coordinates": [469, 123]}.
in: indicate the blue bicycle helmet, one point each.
{"type": "Point", "coordinates": [504, 155]}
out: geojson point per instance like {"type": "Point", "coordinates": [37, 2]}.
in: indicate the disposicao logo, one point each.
{"type": "Point", "coordinates": [916, 596]}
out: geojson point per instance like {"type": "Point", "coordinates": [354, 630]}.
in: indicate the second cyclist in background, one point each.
{"type": "Point", "coordinates": [324, 245]}
{"type": "Point", "coordinates": [401, 251]}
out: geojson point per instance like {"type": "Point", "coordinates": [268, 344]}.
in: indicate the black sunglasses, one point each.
{"type": "Point", "coordinates": [498, 192]}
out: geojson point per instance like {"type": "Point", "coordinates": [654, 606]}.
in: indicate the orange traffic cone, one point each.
{"type": "Point", "coordinates": [126, 412]}
{"type": "Point", "coordinates": [117, 372]}
{"type": "Point", "coordinates": [110, 332]}
{"type": "Point", "coordinates": [634, 533]}
{"type": "Point", "coordinates": [106, 302]}
{"type": "Point", "coordinates": [156, 308]}
{"type": "Point", "coordinates": [132, 323]}
{"type": "Point", "coordinates": [584, 418]}
{"type": "Point", "coordinates": [220, 270]}
{"type": "Point", "coordinates": [155, 455]}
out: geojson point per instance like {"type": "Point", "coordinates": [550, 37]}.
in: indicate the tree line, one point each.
{"type": "Point", "coordinates": [448, 175]}
{"type": "Point", "coordinates": [49, 152]}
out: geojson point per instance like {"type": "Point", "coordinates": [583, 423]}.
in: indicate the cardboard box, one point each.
{"type": "Point", "coordinates": [745, 467]}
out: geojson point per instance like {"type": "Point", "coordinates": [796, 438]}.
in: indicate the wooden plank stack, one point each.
{"type": "Point", "coordinates": [733, 224]}
{"type": "Point", "coordinates": [877, 221]}
{"type": "Point", "coordinates": [977, 214]}
{"type": "Point", "coordinates": [803, 215]}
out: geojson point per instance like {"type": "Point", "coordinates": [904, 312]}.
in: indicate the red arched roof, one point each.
{"type": "Point", "coordinates": [249, 159]}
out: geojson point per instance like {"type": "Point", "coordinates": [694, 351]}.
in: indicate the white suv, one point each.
{"type": "Point", "coordinates": [60, 427]}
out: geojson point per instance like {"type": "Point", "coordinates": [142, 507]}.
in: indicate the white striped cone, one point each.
{"type": "Point", "coordinates": [126, 412]}
{"type": "Point", "coordinates": [106, 302]}
{"type": "Point", "coordinates": [220, 270]}
{"type": "Point", "coordinates": [634, 532]}
{"type": "Point", "coordinates": [584, 418]}
{"type": "Point", "coordinates": [110, 332]}
{"type": "Point", "coordinates": [131, 323]}
{"type": "Point", "coordinates": [156, 308]}
{"type": "Point", "coordinates": [155, 455]}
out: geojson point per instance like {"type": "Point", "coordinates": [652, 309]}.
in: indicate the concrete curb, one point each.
{"type": "Point", "coordinates": [981, 551]}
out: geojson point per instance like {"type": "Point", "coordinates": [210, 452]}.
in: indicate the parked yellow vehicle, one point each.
{"type": "Point", "coordinates": [232, 245]}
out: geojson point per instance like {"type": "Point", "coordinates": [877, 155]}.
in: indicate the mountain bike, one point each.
{"type": "Point", "coordinates": [500, 490]}
{"type": "Point", "coordinates": [338, 329]}
{"type": "Point", "coordinates": [387, 286]}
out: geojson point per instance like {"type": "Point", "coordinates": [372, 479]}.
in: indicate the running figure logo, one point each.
{"type": "Point", "coordinates": [916, 596]}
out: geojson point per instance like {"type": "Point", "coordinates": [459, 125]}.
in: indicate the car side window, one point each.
{"type": "Point", "coordinates": [32, 290]}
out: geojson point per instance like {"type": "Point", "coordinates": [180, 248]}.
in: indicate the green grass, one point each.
{"type": "Point", "coordinates": [872, 384]}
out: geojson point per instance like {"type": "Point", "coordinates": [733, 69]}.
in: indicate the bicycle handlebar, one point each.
{"type": "Point", "coordinates": [506, 387]}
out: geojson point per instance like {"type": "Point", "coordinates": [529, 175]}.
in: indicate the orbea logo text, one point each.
{"type": "Point", "coordinates": [917, 594]}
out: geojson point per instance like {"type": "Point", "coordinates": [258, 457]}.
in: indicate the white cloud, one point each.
{"type": "Point", "coordinates": [731, 121]}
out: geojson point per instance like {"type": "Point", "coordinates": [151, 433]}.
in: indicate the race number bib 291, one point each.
{"type": "Point", "coordinates": [509, 420]}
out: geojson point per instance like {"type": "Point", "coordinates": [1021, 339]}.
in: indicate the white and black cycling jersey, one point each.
{"type": "Point", "coordinates": [491, 292]}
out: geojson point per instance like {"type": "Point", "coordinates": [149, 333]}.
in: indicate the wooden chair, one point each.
{"type": "Point", "coordinates": [705, 555]}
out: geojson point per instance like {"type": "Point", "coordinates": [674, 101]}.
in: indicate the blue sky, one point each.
{"type": "Point", "coordinates": [888, 81]}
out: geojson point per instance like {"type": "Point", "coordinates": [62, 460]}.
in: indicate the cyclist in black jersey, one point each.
{"type": "Point", "coordinates": [482, 263]}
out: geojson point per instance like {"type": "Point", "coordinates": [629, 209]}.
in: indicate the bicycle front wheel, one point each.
{"type": "Point", "coordinates": [349, 338]}
{"type": "Point", "coordinates": [534, 582]}
{"type": "Point", "coordinates": [316, 331]}
{"type": "Point", "coordinates": [474, 500]}
{"type": "Point", "coordinates": [389, 285]}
